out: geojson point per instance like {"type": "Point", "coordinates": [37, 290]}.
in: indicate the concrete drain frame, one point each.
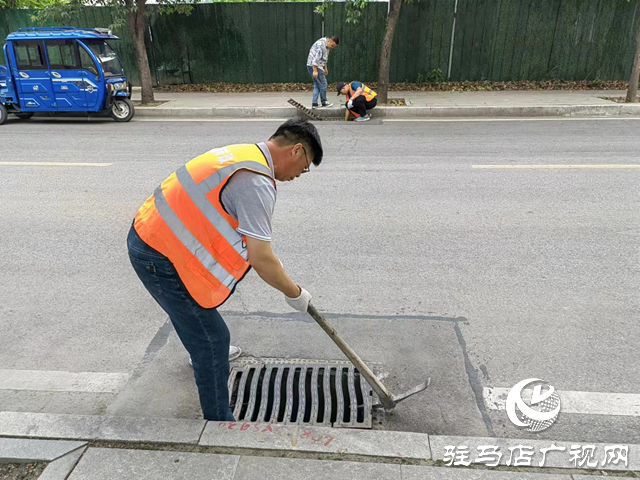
{"type": "Point", "coordinates": [277, 390]}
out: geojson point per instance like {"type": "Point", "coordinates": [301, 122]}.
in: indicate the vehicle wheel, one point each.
{"type": "Point", "coordinates": [122, 110]}
{"type": "Point", "coordinates": [3, 114]}
{"type": "Point", "coordinates": [24, 115]}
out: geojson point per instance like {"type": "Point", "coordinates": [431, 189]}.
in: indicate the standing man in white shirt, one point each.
{"type": "Point", "coordinates": [317, 66]}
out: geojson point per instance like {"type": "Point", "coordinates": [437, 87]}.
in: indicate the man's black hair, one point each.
{"type": "Point", "coordinates": [336, 40]}
{"type": "Point", "coordinates": [300, 131]}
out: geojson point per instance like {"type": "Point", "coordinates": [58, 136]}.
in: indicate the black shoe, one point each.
{"type": "Point", "coordinates": [327, 104]}
{"type": "Point", "coordinates": [314, 105]}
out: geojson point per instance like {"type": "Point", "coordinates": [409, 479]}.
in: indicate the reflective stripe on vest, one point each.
{"type": "Point", "coordinates": [190, 242]}
{"type": "Point", "coordinates": [366, 91]}
{"type": "Point", "coordinates": [197, 194]}
{"type": "Point", "coordinates": [169, 213]}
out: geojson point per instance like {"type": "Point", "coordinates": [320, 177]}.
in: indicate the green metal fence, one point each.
{"type": "Point", "coordinates": [235, 42]}
{"type": "Point", "coordinates": [544, 39]}
{"type": "Point", "coordinates": [471, 40]}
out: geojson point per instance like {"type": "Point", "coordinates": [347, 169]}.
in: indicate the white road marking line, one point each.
{"type": "Point", "coordinates": [508, 119]}
{"type": "Point", "coordinates": [586, 403]}
{"type": "Point", "coordinates": [57, 381]}
{"type": "Point", "coordinates": [386, 120]}
{"type": "Point", "coordinates": [205, 119]}
{"type": "Point", "coordinates": [556, 166]}
{"type": "Point", "coordinates": [57, 164]}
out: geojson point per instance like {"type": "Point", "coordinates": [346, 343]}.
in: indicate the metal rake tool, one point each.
{"type": "Point", "coordinates": [387, 400]}
{"type": "Point", "coordinates": [304, 109]}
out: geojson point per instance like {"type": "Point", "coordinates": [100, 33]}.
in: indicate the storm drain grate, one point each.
{"type": "Point", "coordinates": [321, 394]}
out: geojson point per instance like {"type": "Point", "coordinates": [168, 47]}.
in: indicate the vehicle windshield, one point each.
{"type": "Point", "coordinates": [108, 58]}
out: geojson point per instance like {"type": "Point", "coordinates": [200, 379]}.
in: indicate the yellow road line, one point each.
{"type": "Point", "coordinates": [556, 166]}
{"type": "Point", "coordinates": [56, 164]}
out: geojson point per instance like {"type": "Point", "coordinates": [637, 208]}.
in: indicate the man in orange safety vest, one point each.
{"type": "Point", "coordinates": [202, 230]}
{"type": "Point", "coordinates": [360, 98]}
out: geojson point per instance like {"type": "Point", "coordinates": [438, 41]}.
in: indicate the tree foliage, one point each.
{"type": "Point", "coordinates": [29, 4]}
{"type": "Point", "coordinates": [353, 9]}
{"type": "Point", "coordinates": [62, 11]}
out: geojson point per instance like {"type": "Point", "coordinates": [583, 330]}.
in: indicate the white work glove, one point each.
{"type": "Point", "coordinates": [350, 104]}
{"type": "Point", "coordinates": [301, 302]}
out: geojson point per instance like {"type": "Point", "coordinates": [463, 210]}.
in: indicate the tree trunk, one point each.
{"type": "Point", "coordinates": [635, 73]}
{"type": "Point", "coordinates": [137, 23]}
{"type": "Point", "coordinates": [385, 53]}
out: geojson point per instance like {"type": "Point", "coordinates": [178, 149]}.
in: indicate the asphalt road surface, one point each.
{"type": "Point", "coordinates": [428, 265]}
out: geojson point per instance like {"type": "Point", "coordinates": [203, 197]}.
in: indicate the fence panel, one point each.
{"type": "Point", "coordinates": [422, 40]}
{"type": "Point", "coordinates": [262, 42]}
{"type": "Point", "coordinates": [358, 55]}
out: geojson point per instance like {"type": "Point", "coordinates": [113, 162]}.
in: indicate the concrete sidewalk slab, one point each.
{"type": "Point", "coordinates": [96, 427]}
{"type": "Point", "coordinates": [322, 440]}
{"type": "Point", "coordinates": [412, 472]}
{"type": "Point", "coordinates": [270, 468]}
{"type": "Point", "coordinates": [559, 454]}
{"type": "Point", "coordinates": [108, 464]}
{"type": "Point", "coordinates": [21, 450]}
{"type": "Point", "coordinates": [61, 468]}
{"type": "Point", "coordinates": [102, 463]}
{"type": "Point", "coordinates": [593, 477]}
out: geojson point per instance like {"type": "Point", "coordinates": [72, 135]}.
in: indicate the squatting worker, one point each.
{"type": "Point", "coordinates": [317, 66]}
{"type": "Point", "coordinates": [360, 98]}
{"type": "Point", "coordinates": [202, 230]}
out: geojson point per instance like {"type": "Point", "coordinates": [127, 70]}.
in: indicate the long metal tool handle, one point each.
{"type": "Point", "coordinates": [384, 395]}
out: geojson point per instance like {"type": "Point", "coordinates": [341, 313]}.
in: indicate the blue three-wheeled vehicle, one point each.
{"type": "Point", "coordinates": [63, 69]}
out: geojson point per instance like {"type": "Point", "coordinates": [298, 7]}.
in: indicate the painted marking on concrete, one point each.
{"type": "Point", "coordinates": [555, 166]}
{"type": "Point", "coordinates": [55, 164]}
{"type": "Point", "coordinates": [586, 403]}
{"type": "Point", "coordinates": [56, 381]}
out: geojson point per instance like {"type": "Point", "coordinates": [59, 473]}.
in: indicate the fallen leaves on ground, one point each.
{"type": "Point", "coordinates": [485, 86]}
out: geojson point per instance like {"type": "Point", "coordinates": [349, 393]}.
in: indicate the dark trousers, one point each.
{"type": "Point", "coordinates": [360, 105]}
{"type": "Point", "coordinates": [201, 330]}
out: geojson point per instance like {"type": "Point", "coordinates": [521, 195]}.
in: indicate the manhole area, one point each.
{"type": "Point", "coordinates": [321, 394]}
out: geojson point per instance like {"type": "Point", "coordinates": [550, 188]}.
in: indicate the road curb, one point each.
{"type": "Point", "coordinates": [35, 450]}
{"type": "Point", "coordinates": [614, 109]}
{"type": "Point", "coordinates": [320, 440]}
{"type": "Point", "coordinates": [384, 446]}
{"type": "Point", "coordinates": [100, 427]}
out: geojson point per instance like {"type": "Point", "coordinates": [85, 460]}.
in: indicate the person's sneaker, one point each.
{"type": "Point", "coordinates": [366, 118]}
{"type": "Point", "coordinates": [327, 104]}
{"type": "Point", "coordinates": [314, 105]}
{"type": "Point", "coordinates": [234, 352]}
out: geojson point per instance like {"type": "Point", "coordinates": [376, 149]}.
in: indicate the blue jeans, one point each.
{"type": "Point", "coordinates": [201, 330]}
{"type": "Point", "coordinates": [319, 85]}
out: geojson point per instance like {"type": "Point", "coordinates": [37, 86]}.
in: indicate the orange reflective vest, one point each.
{"type": "Point", "coordinates": [366, 91]}
{"type": "Point", "coordinates": [185, 220]}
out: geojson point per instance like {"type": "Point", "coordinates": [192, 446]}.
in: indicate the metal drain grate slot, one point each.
{"type": "Point", "coordinates": [327, 394]}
